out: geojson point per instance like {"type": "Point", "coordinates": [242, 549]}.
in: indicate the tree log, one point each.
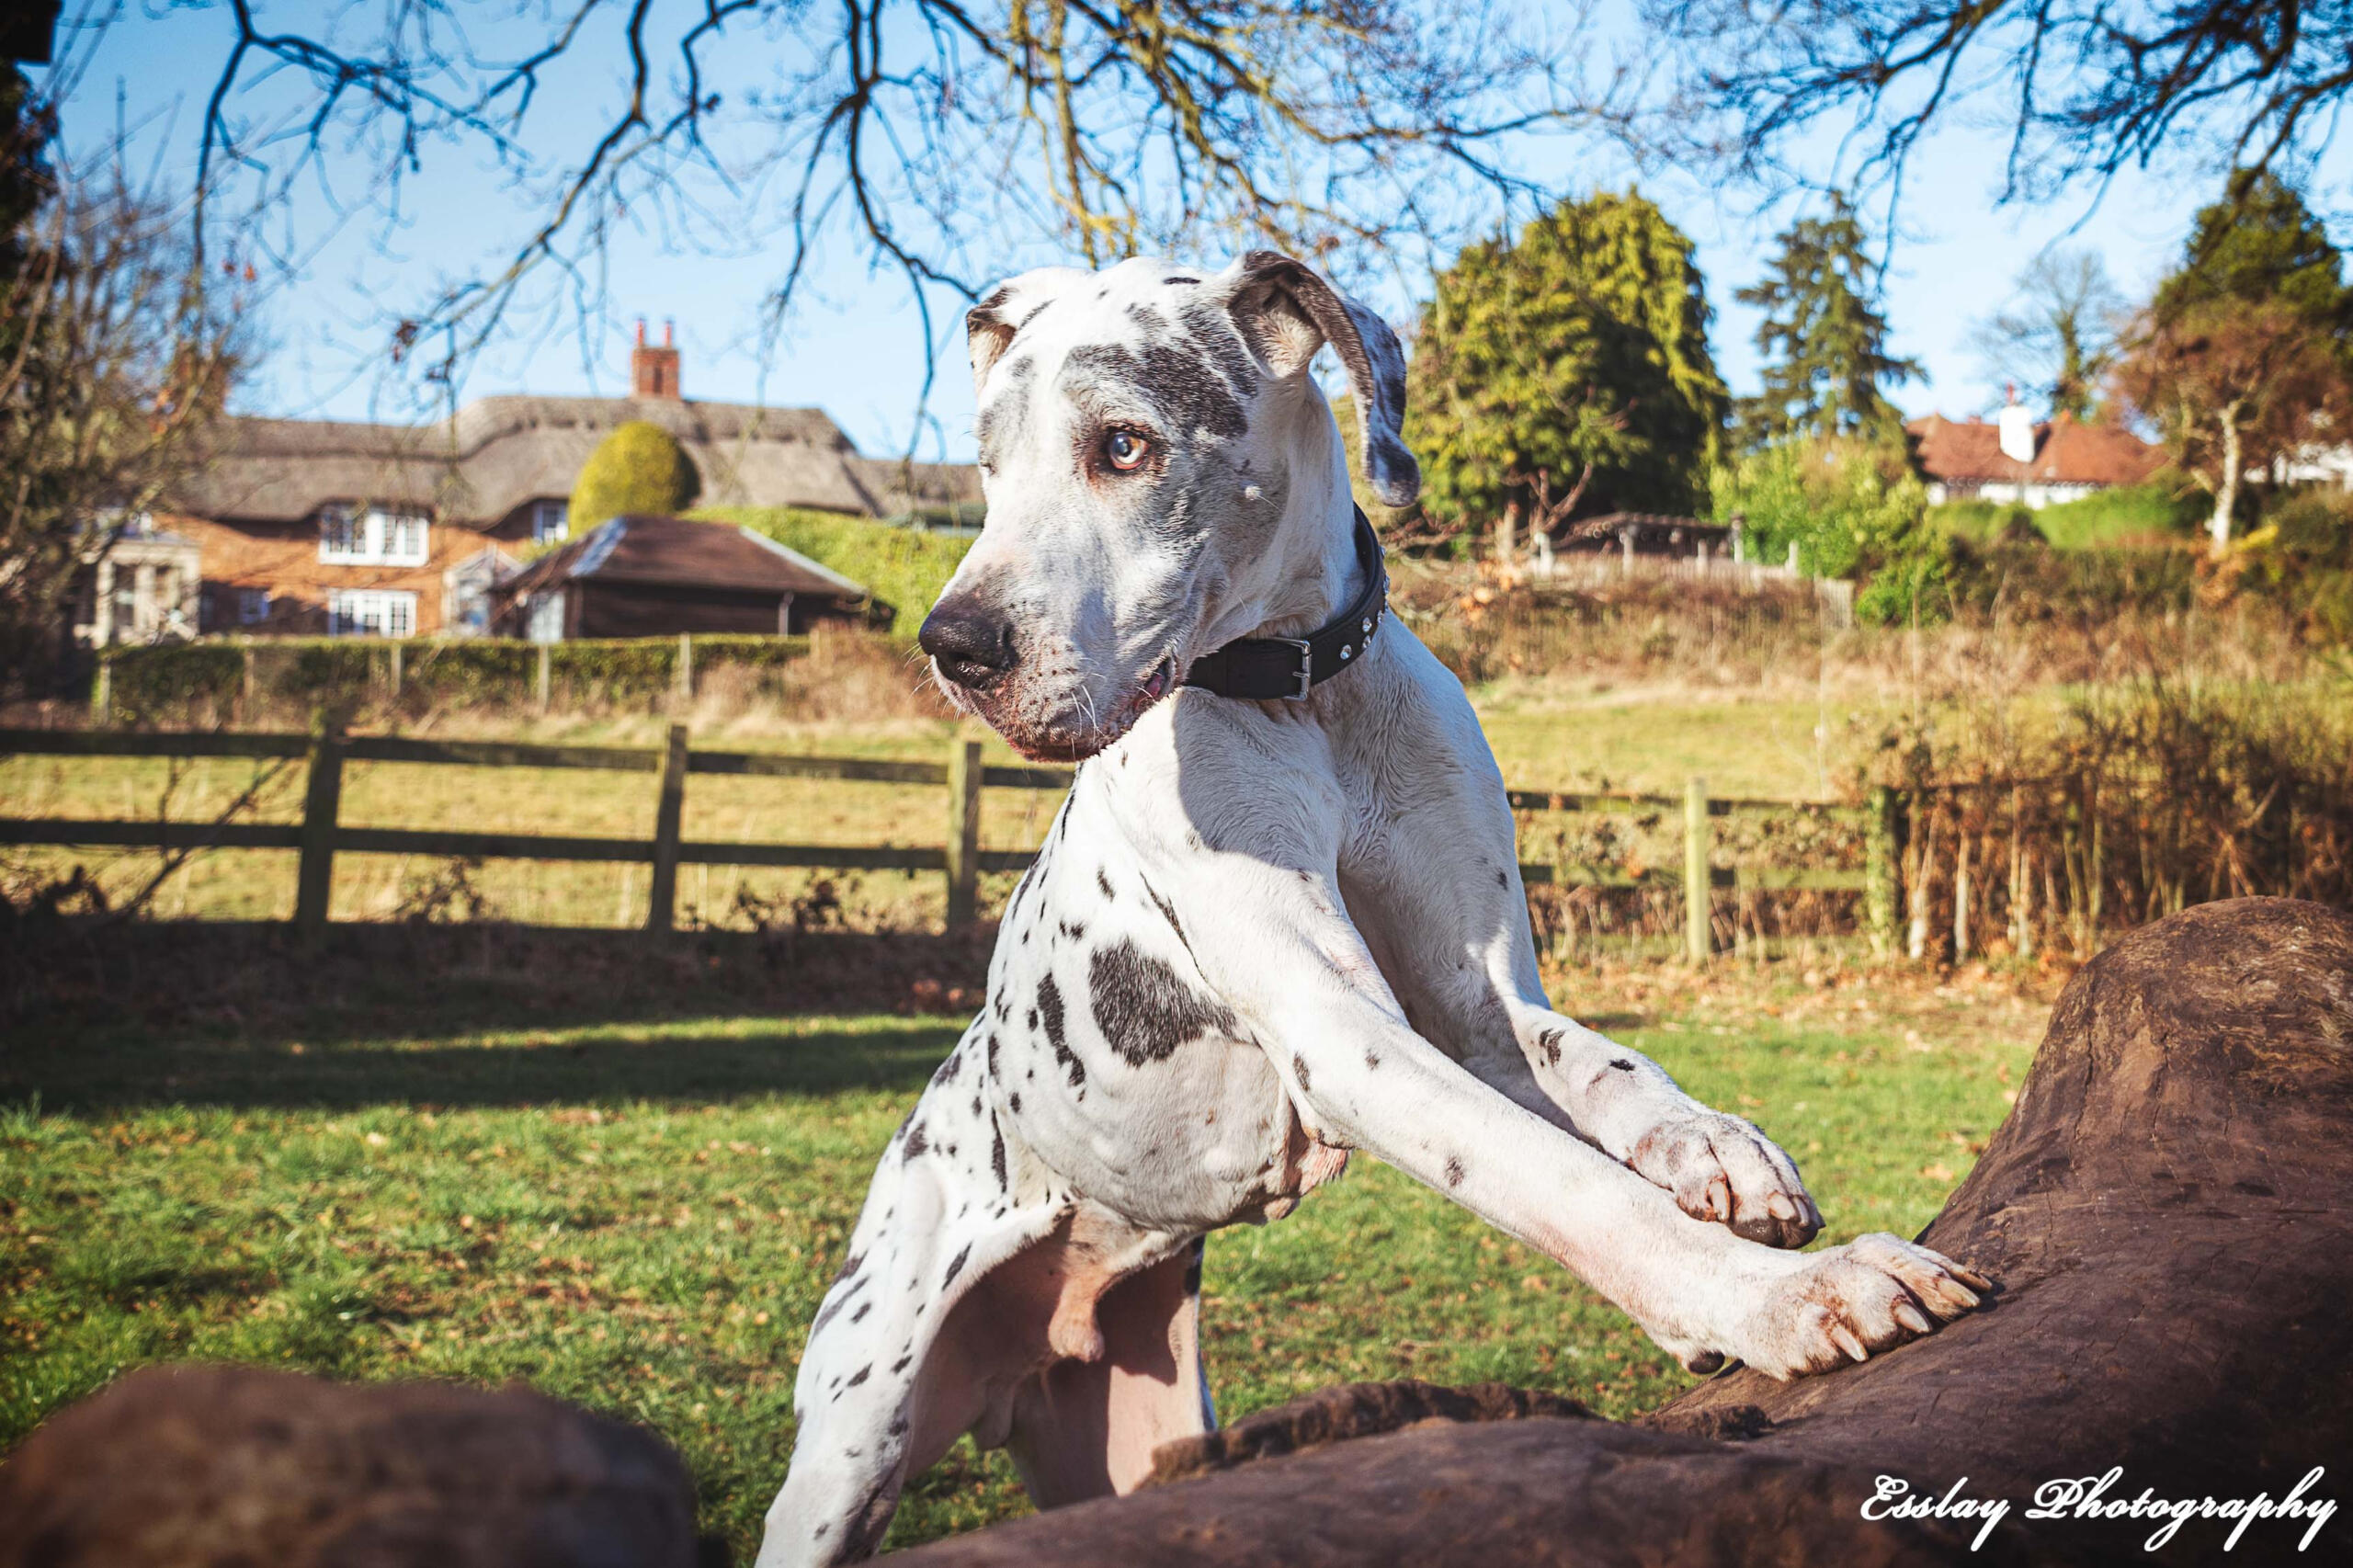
{"type": "Point", "coordinates": [2169, 1212]}
{"type": "Point", "coordinates": [230, 1467]}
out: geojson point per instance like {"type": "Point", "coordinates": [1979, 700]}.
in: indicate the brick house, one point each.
{"type": "Point", "coordinates": [322, 528]}
{"type": "Point", "coordinates": [2024, 463]}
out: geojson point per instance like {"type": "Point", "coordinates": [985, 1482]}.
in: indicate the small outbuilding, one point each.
{"type": "Point", "coordinates": [653, 576]}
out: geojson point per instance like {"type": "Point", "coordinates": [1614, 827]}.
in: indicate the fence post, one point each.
{"type": "Point", "coordinates": [322, 802]}
{"type": "Point", "coordinates": [964, 776]}
{"type": "Point", "coordinates": [1879, 871]}
{"type": "Point", "coordinates": [543, 681]}
{"type": "Point", "coordinates": [683, 670]}
{"type": "Point", "coordinates": [1696, 937]}
{"type": "Point", "coordinates": [662, 897]}
{"type": "Point", "coordinates": [248, 690]}
{"type": "Point", "coordinates": [102, 691]}
{"type": "Point", "coordinates": [398, 673]}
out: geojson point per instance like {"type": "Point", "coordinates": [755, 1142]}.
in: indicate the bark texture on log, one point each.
{"type": "Point", "coordinates": [210, 1467]}
{"type": "Point", "coordinates": [2169, 1213]}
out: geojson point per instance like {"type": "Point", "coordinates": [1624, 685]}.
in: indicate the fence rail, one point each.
{"type": "Point", "coordinates": [321, 835]}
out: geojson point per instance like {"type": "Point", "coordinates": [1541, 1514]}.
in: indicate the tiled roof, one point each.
{"type": "Point", "coordinates": [682, 552]}
{"type": "Point", "coordinates": [2065, 452]}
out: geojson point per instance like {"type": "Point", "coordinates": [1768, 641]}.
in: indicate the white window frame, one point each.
{"type": "Point", "coordinates": [371, 612]}
{"type": "Point", "coordinates": [551, 522]}
{"type": "Point", "coordinates": [377, 537]}
{"type": "Point", "coordinates": [253, 606]}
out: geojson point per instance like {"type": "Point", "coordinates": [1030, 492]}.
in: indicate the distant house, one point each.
{"type": "Point", "coordinates": [639, 576]}
{"type": "Point", "coordinates": [2017, 460]}
{"type": "Point", "coordinates": [142, 585]}
{"type": "Point", "coordinates": [348, 529]}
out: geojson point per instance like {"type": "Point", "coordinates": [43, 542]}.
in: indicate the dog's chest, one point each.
{"type": "Point", "coordinates": [1113, 1059]}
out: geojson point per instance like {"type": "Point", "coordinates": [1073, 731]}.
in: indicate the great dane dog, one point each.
{"type": "Point", "coordinates": [1278, 917]}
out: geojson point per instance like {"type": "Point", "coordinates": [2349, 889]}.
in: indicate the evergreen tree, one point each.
{"type": "Point", "coordinates": [1825, 345]}
{"type": "Point", "coordinates": [1567, 371]}
{"type": "Point", "coordinates": [2260, 245]}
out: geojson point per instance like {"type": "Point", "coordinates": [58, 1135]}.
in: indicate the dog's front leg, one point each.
{"type": "Point", "coordinates": [1362, 1077]}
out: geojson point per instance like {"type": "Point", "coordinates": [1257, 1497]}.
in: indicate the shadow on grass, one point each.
{"type": "Point", "coordinates": [247, 1015]}
{"type": "Point", "coordinates": [260, 982]}
{"type": "Point", "coordinates": [611, 1067]}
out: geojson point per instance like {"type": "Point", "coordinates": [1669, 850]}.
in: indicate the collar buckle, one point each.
{"type": "Point", "coordinates": [1306, 673]}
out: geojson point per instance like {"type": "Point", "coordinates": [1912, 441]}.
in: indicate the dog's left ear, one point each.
{"type": "Point", "coordinates": [1288, 310]}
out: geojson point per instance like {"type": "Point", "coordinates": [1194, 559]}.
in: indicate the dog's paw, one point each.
{"type": "Point", "coordinates": [1722, 1169]}
{"type": "Point", "coordinates": [1847, 1302]}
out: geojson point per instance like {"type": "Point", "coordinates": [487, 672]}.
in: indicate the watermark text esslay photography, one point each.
{"type": "Point", "coordinates": [2096, 1498]}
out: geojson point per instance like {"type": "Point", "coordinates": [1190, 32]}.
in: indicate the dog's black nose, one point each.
{"type": "Point", "coordinates": [973, 648]}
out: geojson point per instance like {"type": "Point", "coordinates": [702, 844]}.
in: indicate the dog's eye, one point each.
{"type": "Point", "coordinates": [1126, 450]}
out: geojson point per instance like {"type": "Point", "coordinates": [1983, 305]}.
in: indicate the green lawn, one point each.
{"type": "Point", "coordinates": [641, 1216]}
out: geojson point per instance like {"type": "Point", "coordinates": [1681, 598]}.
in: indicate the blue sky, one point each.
{"type": "Point", "coordinates": [853, 347]}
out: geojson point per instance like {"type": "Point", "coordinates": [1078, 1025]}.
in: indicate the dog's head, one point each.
{"type": "Point", "coordinates": [1162, 476]}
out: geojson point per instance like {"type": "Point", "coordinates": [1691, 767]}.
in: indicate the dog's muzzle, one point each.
{"type": "Point", "coordinates": [970, 647]}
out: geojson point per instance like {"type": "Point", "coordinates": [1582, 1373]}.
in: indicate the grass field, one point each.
{"type": "Point", "coordinates": [642, 1215]}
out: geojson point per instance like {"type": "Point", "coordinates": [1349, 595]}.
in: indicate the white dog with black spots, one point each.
{"type": "Point", "coordinates": [1260, 934]}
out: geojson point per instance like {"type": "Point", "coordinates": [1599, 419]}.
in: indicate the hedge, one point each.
{"type": "Point", "coordinates": [905, 568]}
{"type": "Point", "coordinates": [178, 683]}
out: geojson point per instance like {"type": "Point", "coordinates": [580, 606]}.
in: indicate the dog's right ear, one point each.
{"type": "Point", "coordinates": [1288, 310]}
{"type": "Point", "coordinates": [990, 326]}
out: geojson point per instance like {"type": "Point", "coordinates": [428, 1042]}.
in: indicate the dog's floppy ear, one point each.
{"type": "Point", "coordinates": [990, 326]}
{"type": "Point", "coordinates": [1288, 310]}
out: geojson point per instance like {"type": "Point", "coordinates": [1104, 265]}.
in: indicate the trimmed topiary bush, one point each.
{"type": "Point", "coordinates": [639, 468]}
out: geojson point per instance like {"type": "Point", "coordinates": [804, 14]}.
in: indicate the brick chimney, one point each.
{"type": "Point", "coordinates": [653, 373]}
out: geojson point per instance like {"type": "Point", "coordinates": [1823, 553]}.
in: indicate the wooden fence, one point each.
{"type": "Point", "coordinates": [321, 834]}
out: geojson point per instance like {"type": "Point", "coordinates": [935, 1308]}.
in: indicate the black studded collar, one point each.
{"type": "Point", "coordinates": [1264, 669]}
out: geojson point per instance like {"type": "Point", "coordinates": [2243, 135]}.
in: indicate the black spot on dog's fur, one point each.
{"type": "Point", "coordinates": [1453, 1172]}
{"type": "Point", "coordinates": [1503, 880]}
{"type": "Point", "coordinates": [949, 1069]}
{"type": "Point", "coordinates": [1623, 1065]}
{"type": "Point", "coordinates": [1166, 281]}
{"type": "Point", "coordinates": [1298, 1071]}
{"type": "Point", "coordinates": [1049, 1005]}
{"type": "Point", "coordinates": [859, 1315]}
{"type": "Point", "coordinates": [1014, 1103]}
{"type": "Point", "coordinates": [992, 1053]}
{"type": "Point", "coordinates": [902, 1364]}
{"type": "Point", "coordinates": [955, 1266]}
{"type": "Point", "coordinates": [1168, 913]}
{"type": "Point", "coordinates": [1550, 1041]}
{"type": "Point", "coordinates": [1189, 392]}
{"type": "Point", "coordinates": [997, 1158]}
{"type": "Point", "coordinates": [1144, 1009]}
{"type": "Point", "coordinates": [1074, 931]}
{"type": "Point", "coordinates": [1371, 1059]}
{"type": "Point", "coordinates": [1105, 884]}
{"type": "Point", "coordinates": [915, 1144]}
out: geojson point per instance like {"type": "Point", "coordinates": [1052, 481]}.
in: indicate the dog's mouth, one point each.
{"type": "Point", "coordinates": [1149, 690]}
{"type": "Point", "coordinates": [1064, 742]}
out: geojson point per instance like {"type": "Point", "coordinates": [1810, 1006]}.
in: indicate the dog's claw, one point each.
{"type": "Point", "coordinates": [1851, 1302]}
{"type": "Point", "coordinates": [1723, 1170]}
